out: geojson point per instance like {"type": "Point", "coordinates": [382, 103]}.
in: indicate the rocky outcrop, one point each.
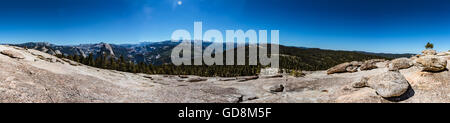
{"type": "Point", "coordinates": [345, 67]}
{"type": "Point", "coordinates": [429, 52]}
{"type": "Point", "coordinates": [432, 63]}
{"type": "Point", "coordinates": [339, 68]}
{"type": "Point", "coordinates": [354, 66]}
{"type": "Point", "coordinates": [12, 54]}
{"type": "Point", "coordinates": [388, 84]}
{"type": "Point", "coordinates": [361, 83]}
{"type": "Point", "coordinates": [423, 72]}
{"type": "Point", "coordinates": [371, 64]}
{"type": "Point", "coordinates": [400, 63]}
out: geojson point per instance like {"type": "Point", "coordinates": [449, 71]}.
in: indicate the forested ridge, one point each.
{"type": "Point", "coordinates": [291, 59]}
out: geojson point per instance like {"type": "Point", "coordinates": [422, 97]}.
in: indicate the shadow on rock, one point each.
{"type": "Point", "coordinates": [438, 71]}
{"type": "Point", "coordinates": [409, 93]}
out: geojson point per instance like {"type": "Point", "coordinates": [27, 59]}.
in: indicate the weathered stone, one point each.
{"type": "Point", "coordinates": [338, 68]}
{"type": "Point", "coordinates": [371, 64]}
{"type": "Point", "coordinates": [368, 66]}
{"type": "Point", "coordinates": [360, 83]}
{"type": "Point", "coordinates": [400, 63]}
{"type": "Point", "coordinates": [429, 52]}
{"type": "Point", "coordinates": [389, 84]}
{"type": "Point", "coordinates": [345, 67]}
{"type": "Point", "coordinates": [432, 63]}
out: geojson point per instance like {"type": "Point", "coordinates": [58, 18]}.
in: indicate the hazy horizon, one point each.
{"type": "Point", "coordinates": [379, 26]}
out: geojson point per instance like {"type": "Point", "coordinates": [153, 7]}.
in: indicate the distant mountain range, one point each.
{"type": "Point", "coordinates": [388, 55]}
{"type": "Point", "coordinates": [158, 53]}
{"type": "Point", "coordinates": [148, 52]}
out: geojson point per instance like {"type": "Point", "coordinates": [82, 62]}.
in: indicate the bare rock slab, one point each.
{"type": "Point", "coordinates": [365, 95]}
{"type": "Point", "coordinates": [12, 54]}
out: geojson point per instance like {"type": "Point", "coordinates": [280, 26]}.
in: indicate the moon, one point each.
{"type": "Point", "coordinates": [180, 2]}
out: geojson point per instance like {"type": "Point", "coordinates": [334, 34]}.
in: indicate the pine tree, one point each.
{"type": "Point", "coordinates": [429, 46]}
{"type": "Point", "coordinates": [112, 64]}
{"type": "Point", "coordinates": [90, 60]}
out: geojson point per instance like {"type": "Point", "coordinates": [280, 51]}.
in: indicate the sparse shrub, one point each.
{"type": "Point", "coordinates": [297, 73]}
{"type": "Point", "coordinates": [429, 46]}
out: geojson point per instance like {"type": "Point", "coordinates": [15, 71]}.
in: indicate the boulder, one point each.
{"type": "Point", "coordinates": [388, 84]}
{"type": "Point", "coordinates": [339, 68]}
{"type": "Point", "coordinates": [371, 64]}
{"type": "Point", "coordinates": [360, 83]}
{"type": "Point", "coordinates": [429, 52]}
{"type": "Point", "coordinates": [432, 63]}
{"type": "Point", "coordinates": [345, 67]}
{"type": "Point", "coordinates": [12, 54]}
{"type": "Point", "coordinates": [400, 63]}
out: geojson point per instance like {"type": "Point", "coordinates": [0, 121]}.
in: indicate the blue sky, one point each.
{"type": "Point", "coordinates": [390, 26]}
